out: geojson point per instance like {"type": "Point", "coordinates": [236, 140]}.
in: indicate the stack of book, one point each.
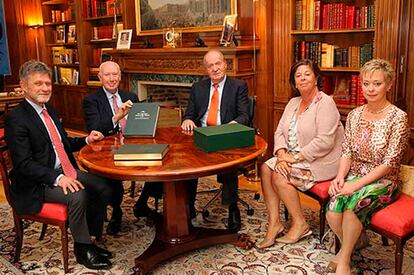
{"type": "Point", "coordinates": [140, 154]}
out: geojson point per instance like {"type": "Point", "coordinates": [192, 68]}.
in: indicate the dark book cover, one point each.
{"type": "Point", "coordinates": [142, 120]}
{"type": "Point", "coordinates": [141, 152]}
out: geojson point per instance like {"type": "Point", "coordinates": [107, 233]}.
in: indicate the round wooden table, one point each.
{"type": "Point", "coordinates": [174, 233]}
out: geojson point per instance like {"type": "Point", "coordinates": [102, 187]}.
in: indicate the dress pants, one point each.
{"type": "Point", "coordinates": [229, 190]}
{"type": "Point", "coordinates": [118, 193]}
{"type": "Point", "coordinates": [86, 208]}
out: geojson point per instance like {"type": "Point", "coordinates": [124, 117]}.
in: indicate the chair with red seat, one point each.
{"type": "Point", "coordinates": [318, 192]}
{"type": "Point", "coordinates": [396, 221]}
{"type": "Point", "coordinates": [51, 213]}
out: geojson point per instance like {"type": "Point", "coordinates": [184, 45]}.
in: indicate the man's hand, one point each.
{"type": "Point", "coordinates": [188, 125]}
{"type": "Point", "coordinates": [94, 136]}
{"type": "Point", "coordinates": [123, 110]}
{"type": "Point", "coordinates": [69, 183]}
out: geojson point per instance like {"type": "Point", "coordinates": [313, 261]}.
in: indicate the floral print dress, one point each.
{"type": "Point", "coordinates": [369, 144]}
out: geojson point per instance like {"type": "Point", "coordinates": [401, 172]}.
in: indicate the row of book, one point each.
{"type": "Point", "coordinates": [65, 76]}
{"type": "Point", "coordinates": [317, 15]}
{"type": "Point", "coordinates": [103, 32]}
{"type": "Point", "coordinates": [345, 89]}
{"type": "Point", "coordinates": [65, 34]}
{"type": "Point", "coordinates": [96, 8]}
{"type": "Point", "coordinates": [63, 15]}
{"type": "Point", "coordinates": [62, 55]}
{"type": "Point", "coordinates": [327, 55]}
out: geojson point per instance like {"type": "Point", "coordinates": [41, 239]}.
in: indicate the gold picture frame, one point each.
{"type": "Point", "coordinates": [229, 26]}
{"type": "Point", "coordinates": [152, 17]}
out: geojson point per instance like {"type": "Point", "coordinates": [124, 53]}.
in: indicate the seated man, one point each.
{"type": "Point", "coordinates": [216, 101]}
{"type": "Point", "coordinates": [106, 111]}
{"type": "Point", "coordinates": [44, 169]}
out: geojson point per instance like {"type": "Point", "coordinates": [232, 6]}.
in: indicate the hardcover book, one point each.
{"type": "Point", "coordinates": [142, 120]}
{"type": "Point", "coordinates": [222, 137]}
{"type": "Point", "coordinates": [138, 162]}
{"type": "Point", "coordinates": [141, 152]}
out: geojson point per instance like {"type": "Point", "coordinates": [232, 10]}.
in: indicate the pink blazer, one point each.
{"type": "Point", "coordinates": [320, 134]}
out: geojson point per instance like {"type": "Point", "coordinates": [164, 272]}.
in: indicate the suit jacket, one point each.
{"type": "Point", "coordinates": [234, 101]}
{"type": "Point", "coordinates": [98, 112]}
{"type": "Point", "coordinates": [33, 156]}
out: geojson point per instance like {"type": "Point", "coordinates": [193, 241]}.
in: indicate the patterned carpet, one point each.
{"type": "Point", "coordinates": [305, 257]}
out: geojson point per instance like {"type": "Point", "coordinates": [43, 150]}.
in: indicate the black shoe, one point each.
{"type": "Point", "coordinates": [102, 252]}
{"type": "Point", "coordinates": [114, 225]}
{"type": "Point", "coordinates": [87, 255]}
{"type": "Point", "coordinates": [234, 221]}
{"type": "Point", "coordinates": [142, 210]}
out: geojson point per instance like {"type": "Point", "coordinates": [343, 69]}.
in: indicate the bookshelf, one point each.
{"type": "Point", "coordinates": [101, 21]}
{"type": "Point", "coordinates": [340, 37]}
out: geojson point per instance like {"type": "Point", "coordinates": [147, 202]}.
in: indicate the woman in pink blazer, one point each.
{"type": "Point", "coordinates": [307, 149]}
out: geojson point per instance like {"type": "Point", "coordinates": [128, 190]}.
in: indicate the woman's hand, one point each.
{"type": "Point", "coordinates": [283, 168]}
{"type": "Point", "coordinates": [287, 158]}
{"type": "Point", "coordinates": [336, 185]}
{"type": "Point", "coordinates": [349, 188]}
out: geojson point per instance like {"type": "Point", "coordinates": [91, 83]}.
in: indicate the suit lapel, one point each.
{"type": "Point", "coordinates": [204, 97]}
{"type": "Point", "coordinates": [105, 103]}
{"type": "Point", "coordinates": [37, 121]}
{"type": "Point", "coordinates": [224, 98]}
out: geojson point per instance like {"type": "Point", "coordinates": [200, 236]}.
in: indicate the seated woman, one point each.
{"type": "Point", "coordinates": [307, 149]}
{"type": "Point", "coordinates": [367, 180]}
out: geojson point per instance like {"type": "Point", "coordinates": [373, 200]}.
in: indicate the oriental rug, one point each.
{"type": "Point", "coordinates": [305, 257]}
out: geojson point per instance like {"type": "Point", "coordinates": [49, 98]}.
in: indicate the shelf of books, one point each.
{"type": "Point", "coordinates": [339, 37]}
{"type": "Point", "coordinates": [102, 20]}
{"type": "Point", "coordinates": [61, 39]}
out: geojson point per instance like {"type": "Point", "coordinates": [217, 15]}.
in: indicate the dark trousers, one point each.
{"type": "Point", "coordinates": [117, 193]}
{"type": "Point", "coordinates": [86, 208]}
{"type": "Point", "coordinates": [229, 190]}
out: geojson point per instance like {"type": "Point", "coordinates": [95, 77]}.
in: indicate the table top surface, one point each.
{"type": "Point", "coordinates": [183, 160]}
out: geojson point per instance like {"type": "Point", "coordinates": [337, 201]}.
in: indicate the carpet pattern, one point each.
{"type": "Point", "coordinates": [305, 257]}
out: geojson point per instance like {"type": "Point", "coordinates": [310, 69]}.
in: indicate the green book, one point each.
{"type": "Point", "coordinates": [129, 152]}
{"type": "Point", "coordinates": [222, 137]}
{"type": "Point", "coordinates": [142, 120]}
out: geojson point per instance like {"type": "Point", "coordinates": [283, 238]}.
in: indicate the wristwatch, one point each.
{"type": "Point", "coordinates": [296, 157]}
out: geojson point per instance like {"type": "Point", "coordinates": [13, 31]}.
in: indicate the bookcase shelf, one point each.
{"type": "Point", "coordinates": [60, 23]}
{"type": "Point", "coordinates": [106, 17]}
{"type": "Point", "coordinates": [339, 37]}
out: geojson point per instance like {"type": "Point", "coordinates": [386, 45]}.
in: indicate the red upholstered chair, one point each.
{"type": "Point", "coordinates": [318, 192]}
{"type": "Point", "coordinates": [396, 221]}
{"type": "Point", "coordinates": [51, 213]}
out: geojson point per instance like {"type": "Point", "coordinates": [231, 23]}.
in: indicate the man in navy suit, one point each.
{"type": "Point", "coordinates": [45, 170]}
{"type": "Point", "coordinates": [106, 111]}
{"type": "Point", "coordinates": [232, 107]}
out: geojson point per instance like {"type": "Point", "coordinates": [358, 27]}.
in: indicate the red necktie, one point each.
{"type": "Point", "coordinates": [213, 112]}
{"type": "Point", "coordinates": [67, 166]}
{"type": "Point", "coordinates": [122, 122]}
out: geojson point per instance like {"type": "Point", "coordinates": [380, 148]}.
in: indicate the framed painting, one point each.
{"type": "Point", "coordinates": [152, 16]}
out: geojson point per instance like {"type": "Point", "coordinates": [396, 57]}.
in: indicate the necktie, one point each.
{"type": "Point", "coordinates": [122, 122]}
{"type": "Point", "coordinates": [67, 166]}
{"type": "Point", "coordinates": [213, 112]}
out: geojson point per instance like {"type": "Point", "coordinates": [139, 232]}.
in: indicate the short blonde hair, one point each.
{"type": "Point", "coordinates": [378, 65]}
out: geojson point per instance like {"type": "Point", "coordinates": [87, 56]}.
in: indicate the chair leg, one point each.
{"type": "Point", "coordinates": [64, 238]}
{"type": "Point", "coordinates": [18, 223]}
{"type": "Point", "coordinates": [286, 212]}
{"type": "Point", "coordinates": [132, 190]}
{"type": "Point", "coordinates": [384, 241]}
{"type": "Point", "coordinates": [43, 232]}
{"type": "Point", "coordinates": [249, 209]}
{"type": "Point", "coordinates": [322, 221]}
{"type": "Point", "coordinates": [218, 193]}
{"type": "Point", "coordinates": [399, 254]}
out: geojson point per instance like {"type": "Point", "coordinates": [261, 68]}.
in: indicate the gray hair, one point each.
{"type": "Point", "coordinates": [108, 62]}
{"type": "Point", "coordinates": [211, 51]}
{"type": "Point", "coordinates": [34, 66]}
{"type": "Point", "coordinates": [378, 65]}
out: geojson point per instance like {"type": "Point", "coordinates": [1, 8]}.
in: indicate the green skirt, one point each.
{"type": "Point", "coordinates": [366, 201]}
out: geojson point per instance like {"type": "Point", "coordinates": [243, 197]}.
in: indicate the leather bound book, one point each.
{"type": "Point", "coordinates": [222, 137]}
{"type": "Point", "coordinates": [142, 120]}
{"type": "Point", "coordinates": [138, 162]}
{"type": "Point", "coordinates": [128, 152]}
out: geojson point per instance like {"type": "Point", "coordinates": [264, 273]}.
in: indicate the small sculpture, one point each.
{"type": "Point", "coordinates": [147, 44]}
{"type": "Point", "coordinates": [199, 42]}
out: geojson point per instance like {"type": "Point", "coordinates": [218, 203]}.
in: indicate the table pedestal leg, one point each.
{"type": "Point", "coordinates": [175, 234]}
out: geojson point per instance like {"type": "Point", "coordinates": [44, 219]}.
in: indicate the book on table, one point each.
{"type": "Point", "coordinates": [141, 152]}
{"type": "Point", "coordinates": [138, 162]}
{"type": "Point", "coordinates": [142, 120]}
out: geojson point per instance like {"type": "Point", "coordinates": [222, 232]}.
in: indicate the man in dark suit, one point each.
{"type": "Point", "coordinates": [106, 111]}
{"type": "Point", "coordinates": [44, 169]}
{"type": "Point", "coordinates": [216, 101]}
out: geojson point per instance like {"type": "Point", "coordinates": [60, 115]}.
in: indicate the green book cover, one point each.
{"type": "Point", "coordinates": [142, 120]}
{"type": "Point", "coordinates": [141, 152]}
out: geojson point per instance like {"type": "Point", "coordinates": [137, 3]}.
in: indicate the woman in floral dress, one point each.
{"type": "Point", "coordinates": [307, 149]}
{"type": "Point", "coordinates": [367, 180]}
